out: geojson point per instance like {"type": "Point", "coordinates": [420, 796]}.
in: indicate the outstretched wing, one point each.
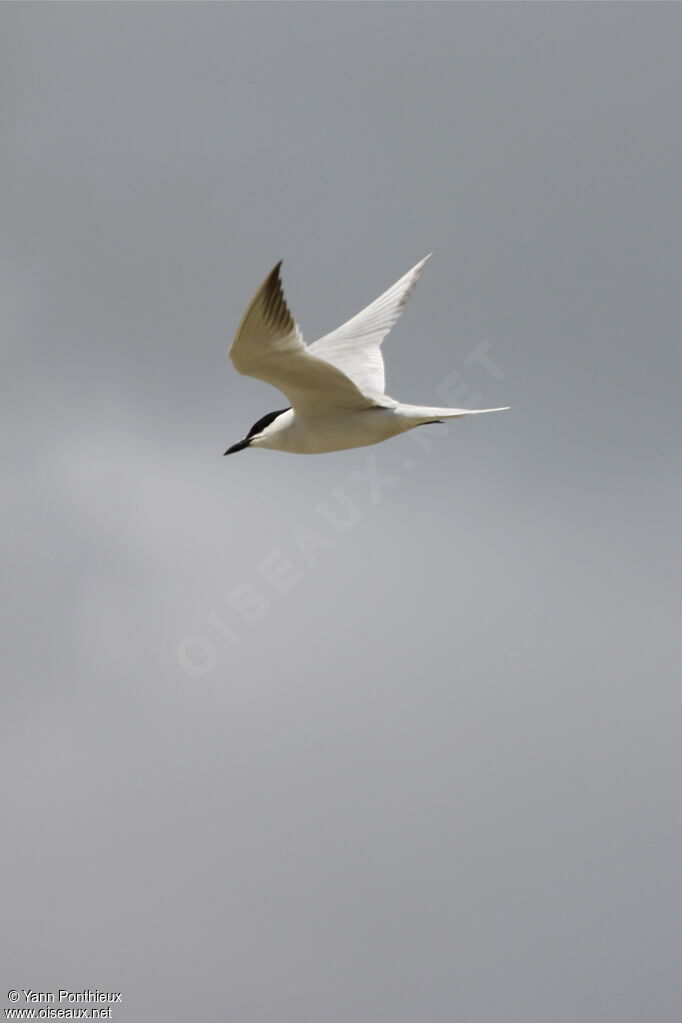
{"type": "Point", "coordinates": [268, 345]}
{"type": "Point", "coordinates": [355, 347]}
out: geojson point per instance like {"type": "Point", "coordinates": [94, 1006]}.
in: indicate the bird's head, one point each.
{"type": "Point", "coordinates": [255, 435]}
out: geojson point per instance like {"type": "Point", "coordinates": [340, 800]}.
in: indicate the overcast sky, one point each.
{"type": "Point", "coordinates": [389, 734]}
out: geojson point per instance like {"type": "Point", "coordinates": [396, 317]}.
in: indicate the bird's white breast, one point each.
{"type": "Point", "coordinates": [331, 432]}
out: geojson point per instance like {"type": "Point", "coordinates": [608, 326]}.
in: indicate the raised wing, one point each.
{"type": "Point", "coordinates": [268, 345]}
{"type": "Point", "coordinates": [355, 347]}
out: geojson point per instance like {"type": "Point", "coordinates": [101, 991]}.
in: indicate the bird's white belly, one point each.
{"type": "Point", "coordinates": [319, 434]}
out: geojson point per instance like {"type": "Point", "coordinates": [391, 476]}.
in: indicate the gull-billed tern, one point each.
{"type": "Point", "coordinates": [336, 384]}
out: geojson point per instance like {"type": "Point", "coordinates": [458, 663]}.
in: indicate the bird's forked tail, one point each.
{"type": "Point", "coordinates": [418, 414]}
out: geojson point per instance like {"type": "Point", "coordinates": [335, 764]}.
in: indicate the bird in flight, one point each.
{"type": "Point", "coordinates": [335, 385]}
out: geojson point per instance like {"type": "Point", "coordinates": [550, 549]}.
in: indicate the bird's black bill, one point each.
{"type": "Point", "coordinates": [239, 446]}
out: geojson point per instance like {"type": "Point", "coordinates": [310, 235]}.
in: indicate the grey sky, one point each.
{"type": "Point", "coordinates": [439, 778]}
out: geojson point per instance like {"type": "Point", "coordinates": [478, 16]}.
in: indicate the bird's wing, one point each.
{"type": "Point", "coordinates": [355, 347]}
{"type": "Point", "coordinates": [268, 345]}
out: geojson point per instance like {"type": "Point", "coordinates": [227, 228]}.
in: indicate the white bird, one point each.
{"type": "Point", "coordinates": [336, 384]}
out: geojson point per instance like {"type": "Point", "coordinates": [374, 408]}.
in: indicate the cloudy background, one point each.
{"type": "Point", "coordinates": [438, 778]}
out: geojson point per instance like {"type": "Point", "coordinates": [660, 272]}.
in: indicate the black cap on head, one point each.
{"type": "Point", "coordinates": [257, 427]}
